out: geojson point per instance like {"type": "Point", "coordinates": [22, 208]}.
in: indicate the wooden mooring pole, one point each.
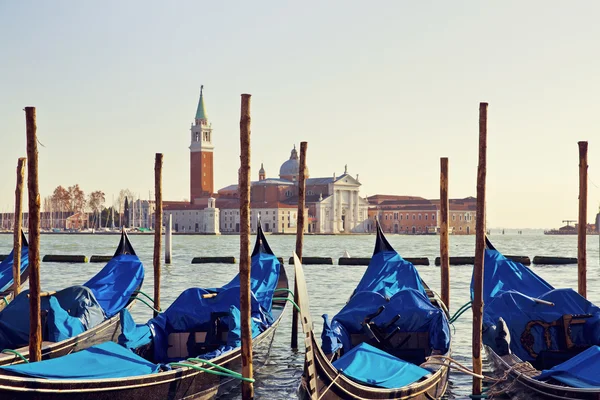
{"type": "Point", "coordinates": [168, 237]}
{"type": "Point", "coordinates": [35, 325]}
{"type": "Point", "coordinates": [158, 161]}
{"type": "Point", "coordinates": [299, 233]}
{"type": "Point", "coordinates": [444, 255]}
{"type": "Point", "coordinates": [582, 225]}
{"type": "Point", "coordinates": [17, 242]}
{"type": "Point", "coordinates": [244, 190]}
{"type": "Point", "coordinates": [479, 250]}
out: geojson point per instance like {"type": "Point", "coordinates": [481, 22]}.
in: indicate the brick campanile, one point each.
{"type": "Point", "coordinates": [201, 154]}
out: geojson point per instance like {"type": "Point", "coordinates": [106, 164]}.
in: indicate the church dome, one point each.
{"type": "Point", "coordinates": [290, 169]}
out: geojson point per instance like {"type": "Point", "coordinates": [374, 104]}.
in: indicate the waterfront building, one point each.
{"type": "Point", "coordinates": [192, 218]}
{"type": "Point", "coordinates": [417, 215]}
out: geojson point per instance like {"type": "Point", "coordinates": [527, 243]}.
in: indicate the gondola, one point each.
{"type": "Point", "coordinates": [376, 347]}
{"type": "Point", "coordinates": [76, 317]}
{"type": "Point", "coordinates": [7, 287]}
{"type": "Point", "coordinates": [161, 359]}
{"type": "Point", "coordinates": [542, 339]}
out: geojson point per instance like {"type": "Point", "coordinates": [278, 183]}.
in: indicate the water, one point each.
{"type": "Point", "coordinates": [329, 285]}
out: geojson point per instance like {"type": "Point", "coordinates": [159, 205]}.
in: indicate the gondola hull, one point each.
{"type": "Point", "coordinates": [522, 375]}
{"type": "Point", "coordinates": [433, 387]}
{"type": "Point", "coordinates": [108, 330]}
{"type": "Point", "coordinates": [181, 383]}
{"type": "Point", "coordinates": [321, 380]}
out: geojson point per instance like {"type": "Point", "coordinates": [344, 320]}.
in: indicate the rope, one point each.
{"type": "Point", "coordinates": [330, 385]}
{"type": "Point", "coordinates": [441, 360]}
{"type": "Point", "coordinates": [144, 301]}
{"type": "Point", "coordinates": [8, 351]}
{"type": "Point", "coordinates": [285, 290]}
{"type": "Point", "coordinates": [144, 294]}
{"type": "Point", "coordinates": [288, 299]}
{"type": "Point", "coordinates": [212, 364]}
{"type": "Point", "coordinates": [211, 371]}
{"type": "Point", "coordinates": [460, 312]}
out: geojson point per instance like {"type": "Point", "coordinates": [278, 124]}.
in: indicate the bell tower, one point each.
{"type": "Point", "coordinates": [201, 154]}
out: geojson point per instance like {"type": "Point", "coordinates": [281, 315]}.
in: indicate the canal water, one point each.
{"type": "Point", "coordinates": [329, 285]}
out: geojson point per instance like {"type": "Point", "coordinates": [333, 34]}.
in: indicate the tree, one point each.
{"type": "Point", "coordinates": [60, 199]}
{"type": "Point", "coordinates": [76, 199]}
{"type": "Point", "coordinates": [95, 201]}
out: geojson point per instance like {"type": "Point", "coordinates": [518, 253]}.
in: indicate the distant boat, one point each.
{"type": "Point", "coordinates": [571, 229]}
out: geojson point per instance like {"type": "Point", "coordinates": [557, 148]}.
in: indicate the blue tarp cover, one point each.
{"type": "Point", "coordinates": [264, 275]}
{"type": "Point", "coordinates": [509, 290]}
{"type": "Point", "coordinates": [580, 371]}
{"type": "Point", "coordinates": [501, 274]}
{"type": "Point", "coordinates": [190, 312]}
{"type": "Point", "coordinates": [369, 365]}
{"type": "Point", "coordinates": [388, 273]}
{"type": "Point", "coordinates": [84, 311]}
{"type": "Point", "coordinates": [106, 360]}
{"type": "Point", "coordinates": [116, 282]}
{"type": "Point", "coordinates": [6, 273]}
{"type": "Point", "coordinates": [394, 283]}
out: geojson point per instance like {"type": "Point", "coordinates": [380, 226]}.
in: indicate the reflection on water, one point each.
{"type": "Point", "coordinates": [329, 285]}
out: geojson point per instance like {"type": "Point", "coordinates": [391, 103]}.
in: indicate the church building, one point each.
{"type": "Point", "coordinates": [333, 204]}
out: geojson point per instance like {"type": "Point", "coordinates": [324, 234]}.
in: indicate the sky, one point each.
{"type": "Point", "coordinates": [385, 87]}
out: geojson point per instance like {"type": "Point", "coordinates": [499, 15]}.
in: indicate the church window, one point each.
{"type": "Point", "coordinates": [419, 217]}
{"type": "Point", "coordinates": [197, 136]}
{"type": "Point", "coordinates": [460, 217]}
{"type": "Point", "coordinates": [433, 217]}
{"type": "Point", "coordinates": [425, 217]}
{"type": "Point", "coordinates": [414, 217]}
{"type": "Point", "coordinates": [400, 216]}
{"type": "Point", "coordinates": [386, 217]}
{"type": "Point", "coordinates": [395, 215]}
{"type": "Point", "coordinates": [453, 217]}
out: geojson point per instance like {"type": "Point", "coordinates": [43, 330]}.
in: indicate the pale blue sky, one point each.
{"type": "Point", "coordinates": [386, 87]}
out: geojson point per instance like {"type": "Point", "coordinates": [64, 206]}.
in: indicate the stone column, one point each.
{"type": "Point", "coordinates": [351, 219]}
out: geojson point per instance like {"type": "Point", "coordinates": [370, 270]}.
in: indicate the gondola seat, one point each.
{"type": "Point", "coordinates": [198, 323]}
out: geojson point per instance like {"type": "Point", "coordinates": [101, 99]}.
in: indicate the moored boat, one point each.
{"type": "Point", "coordinates": [7, 287]}
{"type": "Point", "coordinates": [542, 339]}
{"type": "Point", "coordinates": [76, 317]}
{"type": "Point", "coordinates": [392, 323]}
{"type": "Point", "coordinates": [189, 351]}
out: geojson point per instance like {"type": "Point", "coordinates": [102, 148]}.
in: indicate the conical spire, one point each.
{"type": "Point", "coordinates": [201, 111]}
